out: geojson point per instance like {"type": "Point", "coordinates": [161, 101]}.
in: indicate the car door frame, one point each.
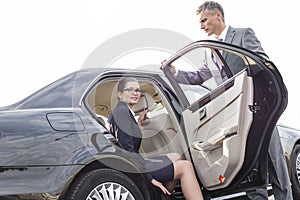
{"type": "Point", "coordinates": [280, 104]}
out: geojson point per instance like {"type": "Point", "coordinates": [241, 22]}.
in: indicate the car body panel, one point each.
{"type": "Point", "coordinates": [289, 138]}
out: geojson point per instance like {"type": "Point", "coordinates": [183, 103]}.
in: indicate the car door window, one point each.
{"type": "Point", "coordinates": [214, 66]}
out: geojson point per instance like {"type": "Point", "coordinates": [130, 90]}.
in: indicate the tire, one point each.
{"type": "Point", "coordinates": [104, 184]}
{"type": "Point", "coordinates": [295, 171]}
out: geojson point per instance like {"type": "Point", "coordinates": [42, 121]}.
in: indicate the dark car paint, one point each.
{"type": "Point", "coordinates": [27, 169]}
{"type": "Point", "coordinates": [25, 165]}
{"type": "Point", "coordinates": [48, 121]}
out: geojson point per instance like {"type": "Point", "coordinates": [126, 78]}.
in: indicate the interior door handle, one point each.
{"type": "Point", "coordinates": [202, 114]}
{"type": "Point", "coordinates": [215, 140]}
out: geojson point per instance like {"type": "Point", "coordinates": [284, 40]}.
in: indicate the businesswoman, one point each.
{"type": "Point", "coordinates": [127, 131]}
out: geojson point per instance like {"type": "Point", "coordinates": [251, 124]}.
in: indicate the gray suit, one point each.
{"type": "Point", "coordinates": [245, 37]}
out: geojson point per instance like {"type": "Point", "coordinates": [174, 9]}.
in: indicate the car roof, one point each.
{"type": "Point", "coordinates": [68, 90]}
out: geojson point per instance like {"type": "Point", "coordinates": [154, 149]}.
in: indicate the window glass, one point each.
{"type": "Point", "coordinates": [202, 70]}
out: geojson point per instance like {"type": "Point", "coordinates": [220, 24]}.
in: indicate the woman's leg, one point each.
{"type": "Point", "coordinates": [183, 170]}
{"type": "Point", "coordinates": [171, 184]}
{"type": "Point", "coordinates": [174, 157]}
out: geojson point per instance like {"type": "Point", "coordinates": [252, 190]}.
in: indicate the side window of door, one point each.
{"type": "Point", "coordinates": [202, 70]}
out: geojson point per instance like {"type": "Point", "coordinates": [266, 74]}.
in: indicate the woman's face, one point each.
{"type": "Point", "coordinates": [130, 94]}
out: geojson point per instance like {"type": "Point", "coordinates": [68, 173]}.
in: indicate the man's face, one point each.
{"type": "Point", "coordinates": [210, 22]}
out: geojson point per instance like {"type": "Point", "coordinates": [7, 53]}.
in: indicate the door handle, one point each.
{"type": "Point", "coordinates": [202, 114]}
{"type": "Point", "coordinates": [215, 140]}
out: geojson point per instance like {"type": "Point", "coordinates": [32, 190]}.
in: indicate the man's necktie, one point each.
{"type": "Point", "coordinates": [214, 58]}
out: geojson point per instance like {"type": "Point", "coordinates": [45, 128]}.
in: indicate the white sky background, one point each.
{"type": "Point", "coordinates": [43, 40]}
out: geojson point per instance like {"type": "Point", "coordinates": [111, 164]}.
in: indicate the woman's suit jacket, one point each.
{"type": "Point", "coordinates": [125, 128]}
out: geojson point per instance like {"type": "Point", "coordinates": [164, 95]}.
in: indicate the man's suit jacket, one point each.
{"type": "Point", "coordinates": [243, 37]}
{"type": "Point", "coordinates": [246, 38]}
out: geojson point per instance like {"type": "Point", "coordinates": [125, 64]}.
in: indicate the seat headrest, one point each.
{"type": "Point", "coordinates": [146, 102]}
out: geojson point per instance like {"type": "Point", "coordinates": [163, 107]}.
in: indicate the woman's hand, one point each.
{"type": "Point", "coordinates": [161, 186]}
{"type": "Point", "coordinates": [142, 117]}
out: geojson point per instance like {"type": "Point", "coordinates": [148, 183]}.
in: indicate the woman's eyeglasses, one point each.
{"type": "Point", "coordinates": [132, 91]}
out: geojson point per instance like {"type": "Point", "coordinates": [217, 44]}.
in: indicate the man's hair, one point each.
{"type": "Point", "coordinates": [211, 6]}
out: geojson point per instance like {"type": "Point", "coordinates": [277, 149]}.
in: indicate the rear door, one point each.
{"type": "Point", "coordinates": [230, 112]}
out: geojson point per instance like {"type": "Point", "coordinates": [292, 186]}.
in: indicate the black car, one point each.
{"type": "Point", "coordinates": [55, 144]}
{"type": "Point", "coordinates": [290, 140]}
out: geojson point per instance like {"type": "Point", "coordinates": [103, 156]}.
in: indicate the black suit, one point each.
{"type": "Point", "coordinates": [129, 136]}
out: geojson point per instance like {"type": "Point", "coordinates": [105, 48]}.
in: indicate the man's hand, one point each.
{"type": "Point", "coordinates": [161, 186]}
{"type": "Point", "coordinates": [172, 67]}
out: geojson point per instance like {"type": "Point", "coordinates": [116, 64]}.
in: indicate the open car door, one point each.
{"type": "Point", "coordinates": [231, 100]}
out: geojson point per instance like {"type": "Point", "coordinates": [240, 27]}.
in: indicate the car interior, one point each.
{"type": "Point", "coordinates": [160, 130]}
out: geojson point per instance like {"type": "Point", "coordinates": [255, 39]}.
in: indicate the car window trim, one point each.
{"type": "Point", "coordinates": [210, 96]}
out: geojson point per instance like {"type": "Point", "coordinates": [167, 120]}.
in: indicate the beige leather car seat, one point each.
{"type": "Point", "coordinates": [157, 129]}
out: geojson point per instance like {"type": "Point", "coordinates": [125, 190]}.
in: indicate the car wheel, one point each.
{"type": "Point", "coordinates": [104, 184]}
{"type": "Point", "coordinates": [295, 171]}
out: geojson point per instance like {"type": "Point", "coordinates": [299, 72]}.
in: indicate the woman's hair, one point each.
{"type": "Point", "coordinates": [124, 81]}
